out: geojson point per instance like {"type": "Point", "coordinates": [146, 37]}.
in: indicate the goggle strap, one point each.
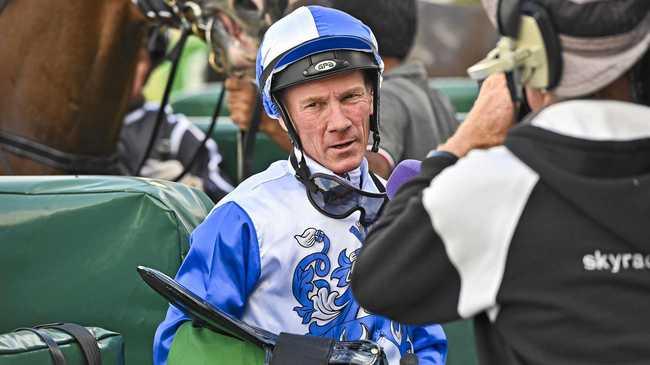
{"type": "Point", "coordinates": [291, 130]}
{"type": "Point", "coordinates": [302, 171]}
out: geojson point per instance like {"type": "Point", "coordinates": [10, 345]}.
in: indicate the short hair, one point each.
{"type": "Point", "coordinates": [394, 22]}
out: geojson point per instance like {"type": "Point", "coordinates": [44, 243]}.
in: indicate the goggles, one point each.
{"type": "Point", "coordinates": [335, 197]}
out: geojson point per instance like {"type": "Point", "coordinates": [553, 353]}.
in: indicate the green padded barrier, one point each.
{"type": "Point", "coordinates": [201, 346]}
{"type": "Point", "coordinates": [461, 91]}
{"type": "Point", "coordinates": [25, 348]}
{"type": "Point", "coordinates": [70, 247]}
{"type": "Point", "coordinates": [226, 134]}
{"type": "Point", "coordinates": [462, 348]}
{"type": "Point", "coordinates": [200, 103]}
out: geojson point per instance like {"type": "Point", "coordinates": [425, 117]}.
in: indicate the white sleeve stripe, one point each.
{"type": "Point", "coordinates": [134, 116]}
{"type": "Point", "coordinates": [184, 125]}
{"type": "Point", "coordinates": [475, 207]}
{"type": "Point", "coordinates": [177, 135]}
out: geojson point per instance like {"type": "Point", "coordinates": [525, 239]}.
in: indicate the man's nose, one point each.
{"type": "Point", "coordinates": [338, 121]}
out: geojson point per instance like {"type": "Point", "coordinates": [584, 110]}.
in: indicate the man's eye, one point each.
{"type": "Point", "coordinates": [352, 97]}
{"type": "Point", "coordinates": [311, 105]}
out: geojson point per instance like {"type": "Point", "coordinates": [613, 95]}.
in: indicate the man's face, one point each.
{"type": "Point", "coordinates": [332, 119]}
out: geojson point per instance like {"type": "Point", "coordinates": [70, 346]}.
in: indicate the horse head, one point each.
{"type": "Point", "coordinates": [232, 28]}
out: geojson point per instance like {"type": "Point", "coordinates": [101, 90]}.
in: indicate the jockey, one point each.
{"type": "Point", "coordinates": [278, 251]}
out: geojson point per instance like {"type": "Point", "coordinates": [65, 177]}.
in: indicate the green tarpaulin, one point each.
{"type": "Point", "coordinates": [69, 248]}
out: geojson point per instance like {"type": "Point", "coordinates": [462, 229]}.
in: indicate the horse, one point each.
{"type": "Point", "coordinates": [67, 69]}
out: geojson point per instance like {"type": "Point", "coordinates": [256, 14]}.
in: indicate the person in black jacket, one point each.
{"type": "Point", "coordinates": [539, 232]}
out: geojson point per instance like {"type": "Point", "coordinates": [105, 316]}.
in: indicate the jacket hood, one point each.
{"type": "Point", "coordinates": [596, 155]}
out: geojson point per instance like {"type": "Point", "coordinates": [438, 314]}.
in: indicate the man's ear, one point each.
{"type": "Point", "coordinates": [538, 99]}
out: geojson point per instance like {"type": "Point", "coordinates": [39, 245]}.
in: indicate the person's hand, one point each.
{"type": "Point", "coordinates": [488, 122]}
{"type": "Point", "coordinates": [241, 99]}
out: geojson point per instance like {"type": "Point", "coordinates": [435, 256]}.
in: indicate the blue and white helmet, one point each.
{"type": "Point", "coordinates": [311, 43]}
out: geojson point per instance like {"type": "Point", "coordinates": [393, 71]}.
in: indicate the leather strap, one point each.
{"type": "Point", "coordinates": [85, 339]}
{"type": "Point", "coordinates": [249, 139]}
{"type": "Point", "coordinates": [55, 351]}
{"type": "Point", "coordinates": [68, 162]}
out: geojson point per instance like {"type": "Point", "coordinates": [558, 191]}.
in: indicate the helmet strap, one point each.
{"type": "Point", "coordinates": [375, 141]}
{"type": "Point", "coordinates": [302, 170]}
{"type": "Point", "coordinates": [288, 123]}
{"type": "Point", "coordinates": [374, 118]}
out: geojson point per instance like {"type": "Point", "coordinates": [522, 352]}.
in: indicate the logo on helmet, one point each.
{"type": "Point", "coordinates": [325, 66]}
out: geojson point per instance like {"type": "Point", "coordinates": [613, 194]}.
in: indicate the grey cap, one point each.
{"type": "Point", "coordinates": [601, 40]}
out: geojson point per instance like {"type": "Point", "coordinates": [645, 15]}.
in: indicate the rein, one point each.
{"type": "Point", "coordinates": [175, 56]}
{"type": "Point", "coordinates": [69, 162]}
{"type": "Point", "coordinates": [165, 13]}
{"type": "Point", "coordinates": [175, 59]}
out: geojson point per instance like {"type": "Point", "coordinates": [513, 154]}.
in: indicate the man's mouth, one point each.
{"type": "Point", "coordinates": [343, 145]}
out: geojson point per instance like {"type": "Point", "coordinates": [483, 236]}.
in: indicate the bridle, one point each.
{"type": "Point", "coordinates": [71, 163]}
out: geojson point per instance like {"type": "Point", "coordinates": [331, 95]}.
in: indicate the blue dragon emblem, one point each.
{"type": "Point", "coordinates": [325, 302]}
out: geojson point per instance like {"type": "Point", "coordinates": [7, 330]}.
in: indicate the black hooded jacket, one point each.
{"type": "Point", "coordinates": [545, 241]}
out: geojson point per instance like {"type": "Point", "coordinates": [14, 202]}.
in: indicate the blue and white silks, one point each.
{"type": "Point", "coordinates": [265, 255]}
